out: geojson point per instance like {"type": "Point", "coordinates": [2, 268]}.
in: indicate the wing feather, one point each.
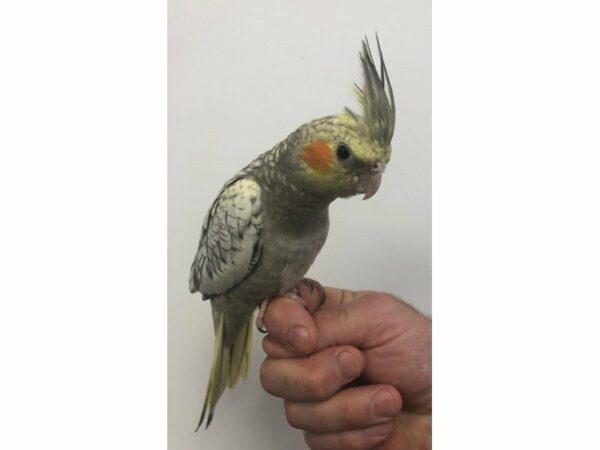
{"type": "Point", "coordinates": [230, 244]}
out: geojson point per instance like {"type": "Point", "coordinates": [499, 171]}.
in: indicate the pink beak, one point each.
{"type": "Point", "coordinates": [372, 180]}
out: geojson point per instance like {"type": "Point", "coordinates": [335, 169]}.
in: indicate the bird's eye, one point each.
{"type": "Point", "coordinates": [343, 152]}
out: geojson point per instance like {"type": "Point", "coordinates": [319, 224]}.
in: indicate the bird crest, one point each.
{"type": "Point", "coordinates": [376, 99]}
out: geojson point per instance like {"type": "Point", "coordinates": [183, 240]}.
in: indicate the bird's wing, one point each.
{"type": "Point", "coordinates": [230, 244]}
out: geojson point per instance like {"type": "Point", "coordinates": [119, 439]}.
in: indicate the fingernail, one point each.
{"type": "Point", "coordinates": [298, 338]}
{"type": "Point", "coordinates": [349, 365]}
{"type": "Point", "coordinates": [384, 404]}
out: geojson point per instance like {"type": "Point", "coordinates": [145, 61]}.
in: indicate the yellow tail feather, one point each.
{"type": "Point", "coordinates": [229, 363]}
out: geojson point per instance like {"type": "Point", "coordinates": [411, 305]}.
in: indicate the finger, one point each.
{"type": "Point", "coordinates": [313, 378]}
{"type": "Point", "coordinates": [311, 292]}
{"type": "Point", "coordinates": [292, 331]}
{"type": "Point", "coordinates": [349, 440]}
{"type": "Point", "coordinates": [291, 327]}
{"type": "Point", "coordinates": [409, 430]}
{"type": "Point", "coordinates": [353, 322]}
{"type": "Point", "coordinates": [275, 349]}
{"type": "Point", "coordinates": [334, 296]}
{"type": "Point", "coordinates": [349, 409]}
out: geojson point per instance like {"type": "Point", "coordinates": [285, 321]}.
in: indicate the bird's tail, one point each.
{"type": "Point", "coordinates": [231, 359]}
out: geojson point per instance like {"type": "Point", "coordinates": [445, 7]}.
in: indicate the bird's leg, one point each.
{"type": "Point", "coordinates": [294, 294]}
{"type": "Point", "coordinates": [260, 325]}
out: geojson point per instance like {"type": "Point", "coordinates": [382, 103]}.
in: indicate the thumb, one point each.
{"type": "Point", "coordinates": [351, 323]}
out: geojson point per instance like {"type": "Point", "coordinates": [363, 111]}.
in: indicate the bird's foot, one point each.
{"type": "Point", "coordinates": [312, 286]}
{"type": "Point", "coordinates": [260, 319]}
{"type": "Point", "coordinates": [294, 294]}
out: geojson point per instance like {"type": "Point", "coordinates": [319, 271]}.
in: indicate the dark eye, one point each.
{"type": "Point", "coordinates": [343, 152]}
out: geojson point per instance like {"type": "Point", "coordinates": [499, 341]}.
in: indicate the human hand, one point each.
{"type": "Point", "coordinates": [354, 375]}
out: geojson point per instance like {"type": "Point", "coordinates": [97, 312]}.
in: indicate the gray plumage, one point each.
{"type": "Point", "coordinates": [269, 222]}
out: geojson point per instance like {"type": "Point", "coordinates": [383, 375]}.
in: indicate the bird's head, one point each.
{"type": "Point", "coordinates": [346, 154]}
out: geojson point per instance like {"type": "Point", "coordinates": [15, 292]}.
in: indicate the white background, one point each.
{"type": "Point", "coordinates": [83, 232]}
{"type": "Point", "coordinates": [242, 76]}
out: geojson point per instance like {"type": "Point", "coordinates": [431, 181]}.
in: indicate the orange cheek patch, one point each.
{"type": "Point", "coordinates": [317, 155]}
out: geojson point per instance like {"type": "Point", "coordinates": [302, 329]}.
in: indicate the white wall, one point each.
{"type": "Point", "coordinates": [242, 75]}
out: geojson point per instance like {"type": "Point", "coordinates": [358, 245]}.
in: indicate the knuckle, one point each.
{"type": "Point", "coordinates": [291, 415]}
{"type": "Point", "coordinates": [348, 442]}
{"type": "Point", "coordinates": [312, 441]}
{"type": "Point", "coordinates": [345, 413]}
{"type": "Point", "coordinates": [266, 343]}
{"type": "Point", "coordinates": [273, 348]}
{"type": "Point", "coordinates": [381, 299]}
{"type": "Point", "coordinates": [315, 384]}
{"type": "Point", "coordinates": [265, 377]}
{"type": "Point", "coordinates": [385, 305]}
{"type": "Point", "coordinates": [323, 442]}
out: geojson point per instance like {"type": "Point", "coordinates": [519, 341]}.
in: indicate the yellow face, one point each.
{"type": "Point", "coordinates": [346, 154]}
{"type": "Point", "coordinates": [340, 161]}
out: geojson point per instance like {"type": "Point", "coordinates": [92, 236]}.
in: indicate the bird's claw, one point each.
{"type": "Point", "coordinates": [314, 285]}
{"type": "Point", "coordinates": [294, 294]}
{"type": "Point", "coordinates": [260, 324]}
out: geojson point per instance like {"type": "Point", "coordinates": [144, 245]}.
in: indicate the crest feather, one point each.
{"type": "Point", "coordinates": [375, 97]}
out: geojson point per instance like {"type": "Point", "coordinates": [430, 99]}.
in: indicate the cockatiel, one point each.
{"type": "Point", "coordinates": [269, 222]}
